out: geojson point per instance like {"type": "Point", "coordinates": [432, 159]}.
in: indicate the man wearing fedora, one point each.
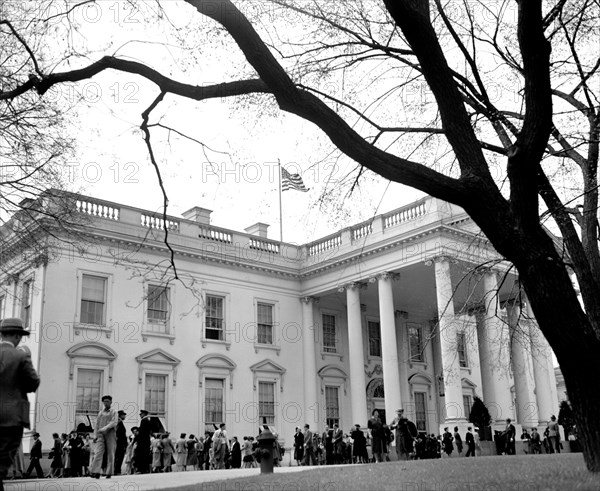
{"type": "Point", "coordinates": [35, 454]}
{"type": "Point", "coordinates": [142, 440]}
{"type": "Point", "coordinates": [121, 442]}
{"type": "Point", "coordinates": [17, 378]}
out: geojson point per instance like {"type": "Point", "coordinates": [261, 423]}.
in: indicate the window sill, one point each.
{"type": "Point", "coordinates": [466, 369]}
{"type": "Point", "coordinates": [221, 342]}
{"type": "Point", "coordinates": [334, 355]}
{"type": "Point", "coordinates": [78, 327]}
{"type": "Point", "coordinates": [272, 347]}
{"type": "Point", "coordinates": [421, 364]}
{"type": "Point", "coordinates": [153, 334]}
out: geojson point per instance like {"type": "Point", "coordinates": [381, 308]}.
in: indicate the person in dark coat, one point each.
{"type": "Point", "coordinates": [509, 438]}
{"type": "Point", "coordinates": [470, 441]}
{"type": "Point", "coordinates": [298, 446]}
{"type": "Point", "coordinates": [458, 441]}
{"type": "Point", "coordinates": [359, 445]}
{"type": "Point", "coordinates": [75, 445]}
{"type": "Point", "coordinates": [17, 378]}
{"type": "Point", "coordinates": [378, 444]}
{"type": "Point", "coordinates": [56, 455]}
{"type": "Point", "coordinates": [142, 443]}
{"type": "Point", "coordinates": [236, 454]}
{"type": "Point", "coordinates": [35, 454]}
{"type": "Point", "coordinates": [447, 442]}
{"type": "Point", "coordinates": [121, 442]}
{"type": "Point", "coordinates": [406, 432]}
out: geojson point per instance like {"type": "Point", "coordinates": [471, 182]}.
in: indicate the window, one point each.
{"type": "Point", "coordinates": [213, 403]}
{"type": "Point", "coordinates": [89, 388]}
{"type": "Point", "coordinates": [462, 349]}
{"type": "Point", "coordinates": [1, 306]}
{"type": "Point", "coordinates": [215, 318]}
{"type": "Point", "coordinates": [156, 394]}
{"type": "Point", "coordinates": [266, 403]}
{"type": "Point", "coordinates": [93, 300]}
{"type": "Point", "coordinates": [158, 308]}
{"type": "Point", "coordinates": [329, 334]}
{"type": "Point", "coordinates": [264, 330]}
{"type": "Point", "coordinates": [415, 341]}
{"type": "Point", "coordinates": [420, 411]}
{"type": "Point", "coordinates": [332, 406]}
{"type": "Point", "coordinates": [26, 303]}
{"type": "Point", "coordinates": [467, 404]}
{"type": "Point", "coordinates": [374, 338]}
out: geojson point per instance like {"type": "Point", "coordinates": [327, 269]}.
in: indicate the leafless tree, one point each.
{"type": "Point", "coordinates": [502, 153]}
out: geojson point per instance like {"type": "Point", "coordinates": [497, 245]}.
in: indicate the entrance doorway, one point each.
{"type": "Point", "coordinates": [376, 398]}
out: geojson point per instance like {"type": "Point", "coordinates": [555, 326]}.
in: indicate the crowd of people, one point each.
{"type": "Point", "coordinates": [110, 451]}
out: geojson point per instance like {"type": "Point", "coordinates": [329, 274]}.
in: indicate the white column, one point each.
{"type": "Point", "coordinates": [526, 405]}
{"type": "Point", "coordinates": [541, 357]}
{"type": "Point", "coordinates": [493, 341]}
{"type": "Point", "coordinates": [311, 395]}
{"type": "Point", "coordinates": [448, 343]}
{"type": "Point", "coordinates": [358, 386]}
{"type": "Point", "coordinates": [389, 346]}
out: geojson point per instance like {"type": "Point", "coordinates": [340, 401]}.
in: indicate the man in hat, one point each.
{"type": "Point", "coordinates": [142, 440]}
{"type": "Point", "coordinates": [35, 454]}
{"type": "Point", "coordinates": [121, 442]}
{"type": "Point", "coordinates": [17, 378]}
{"type": "Point", "coordinates": [406, 432]}
{"type": "Point", "coordinates": [105, 439]}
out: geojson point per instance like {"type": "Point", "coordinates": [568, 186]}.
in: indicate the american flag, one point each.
{"type": "Point", "coordinates": [291, 181]}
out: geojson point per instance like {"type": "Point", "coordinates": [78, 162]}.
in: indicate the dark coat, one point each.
{"type": "Point", "coordinates": [17, 378]}
{"type": "Point", "coordinates": [36, 450]}
{"type": "Point", "coordinates": [378, 435]}
{"type": "Point", "coordinates": [121, 435]}
{"type": "Point", "coordinates": [236, 455]}
{"type": "Point", "coordinates": [359, 445]}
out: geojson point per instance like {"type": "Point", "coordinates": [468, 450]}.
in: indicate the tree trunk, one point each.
{"type": "Point", "coordinates": [571, 336]}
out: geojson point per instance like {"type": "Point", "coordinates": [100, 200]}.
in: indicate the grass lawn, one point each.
{"type": "Point", "coordinates": [564, 472]}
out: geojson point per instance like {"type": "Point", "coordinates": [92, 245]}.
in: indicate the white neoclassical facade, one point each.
{"type": "Point", "coordinates": [411, 309]}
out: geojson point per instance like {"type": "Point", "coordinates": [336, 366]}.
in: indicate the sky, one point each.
{"type": "Point", "coordinates": [233, 171]}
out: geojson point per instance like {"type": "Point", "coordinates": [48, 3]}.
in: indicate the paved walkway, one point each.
{"type": "Point", "coordinates": [139, 482]}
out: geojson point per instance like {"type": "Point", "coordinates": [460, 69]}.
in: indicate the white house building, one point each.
{"type": "Point", "coordinates": [411, 309]}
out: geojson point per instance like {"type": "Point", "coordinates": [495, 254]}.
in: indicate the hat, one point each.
{"type": "Point", "coordinates": [144, 411]}
{"type": "Point", "coordinates": [122, 412]}
{"type": "Point", "coordinates": [35, 434]}
{"type": "Point", "coordinates": [357, 425]}
{"type": "Point", "coordinates": [106, 397]}
{"type": "Point", "coordinates": [13, 325]}
{"type": "Point", "coordinates": [400, 410]}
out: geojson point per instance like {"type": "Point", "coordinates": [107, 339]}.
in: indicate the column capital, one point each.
{"type": "Point", "coordinates": [354, 285]}
{"type": "Point", "coordinates": [440, 259]}
{"type": "Point", "coordinates": [386, 275]}
{"type": "Point", "coordinates": [308, 299]}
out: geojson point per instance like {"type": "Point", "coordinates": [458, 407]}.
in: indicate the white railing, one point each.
{"type": "Point", "coordinates": [264, 245]}
{"type": "Point", "coordinates": [324, 245]}
{"type": "Point", "coordinates": [218, 235]}
{"type": "Point", "coordinates": [97, 209]}
{"type": "Point", "coordinates": [405, 214]}
{"type": "Point", "coordinates": [159, 223]}
{"type": "Point", "coordinates": [362, 230]}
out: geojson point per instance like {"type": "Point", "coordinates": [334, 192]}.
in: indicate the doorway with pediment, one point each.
{"type": "Point", "coordinates": [376, 397]}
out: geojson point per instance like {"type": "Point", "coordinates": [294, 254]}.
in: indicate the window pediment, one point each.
{"type": "Point", "coordinates": [332, 373]}
{"type": "Point", "coordinates": [218, 363]}
{"type": "Point", "coordinates": [91, 350]}
{"type": "Point", "coordinates": [157, 357]}
{"type": "Point", "coordinates": [269, 367]}
{"type": "Point", "coordinates": [420, 378]}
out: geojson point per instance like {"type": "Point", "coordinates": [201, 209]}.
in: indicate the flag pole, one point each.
{"type": "Point", "coordinates": [280, 206]}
